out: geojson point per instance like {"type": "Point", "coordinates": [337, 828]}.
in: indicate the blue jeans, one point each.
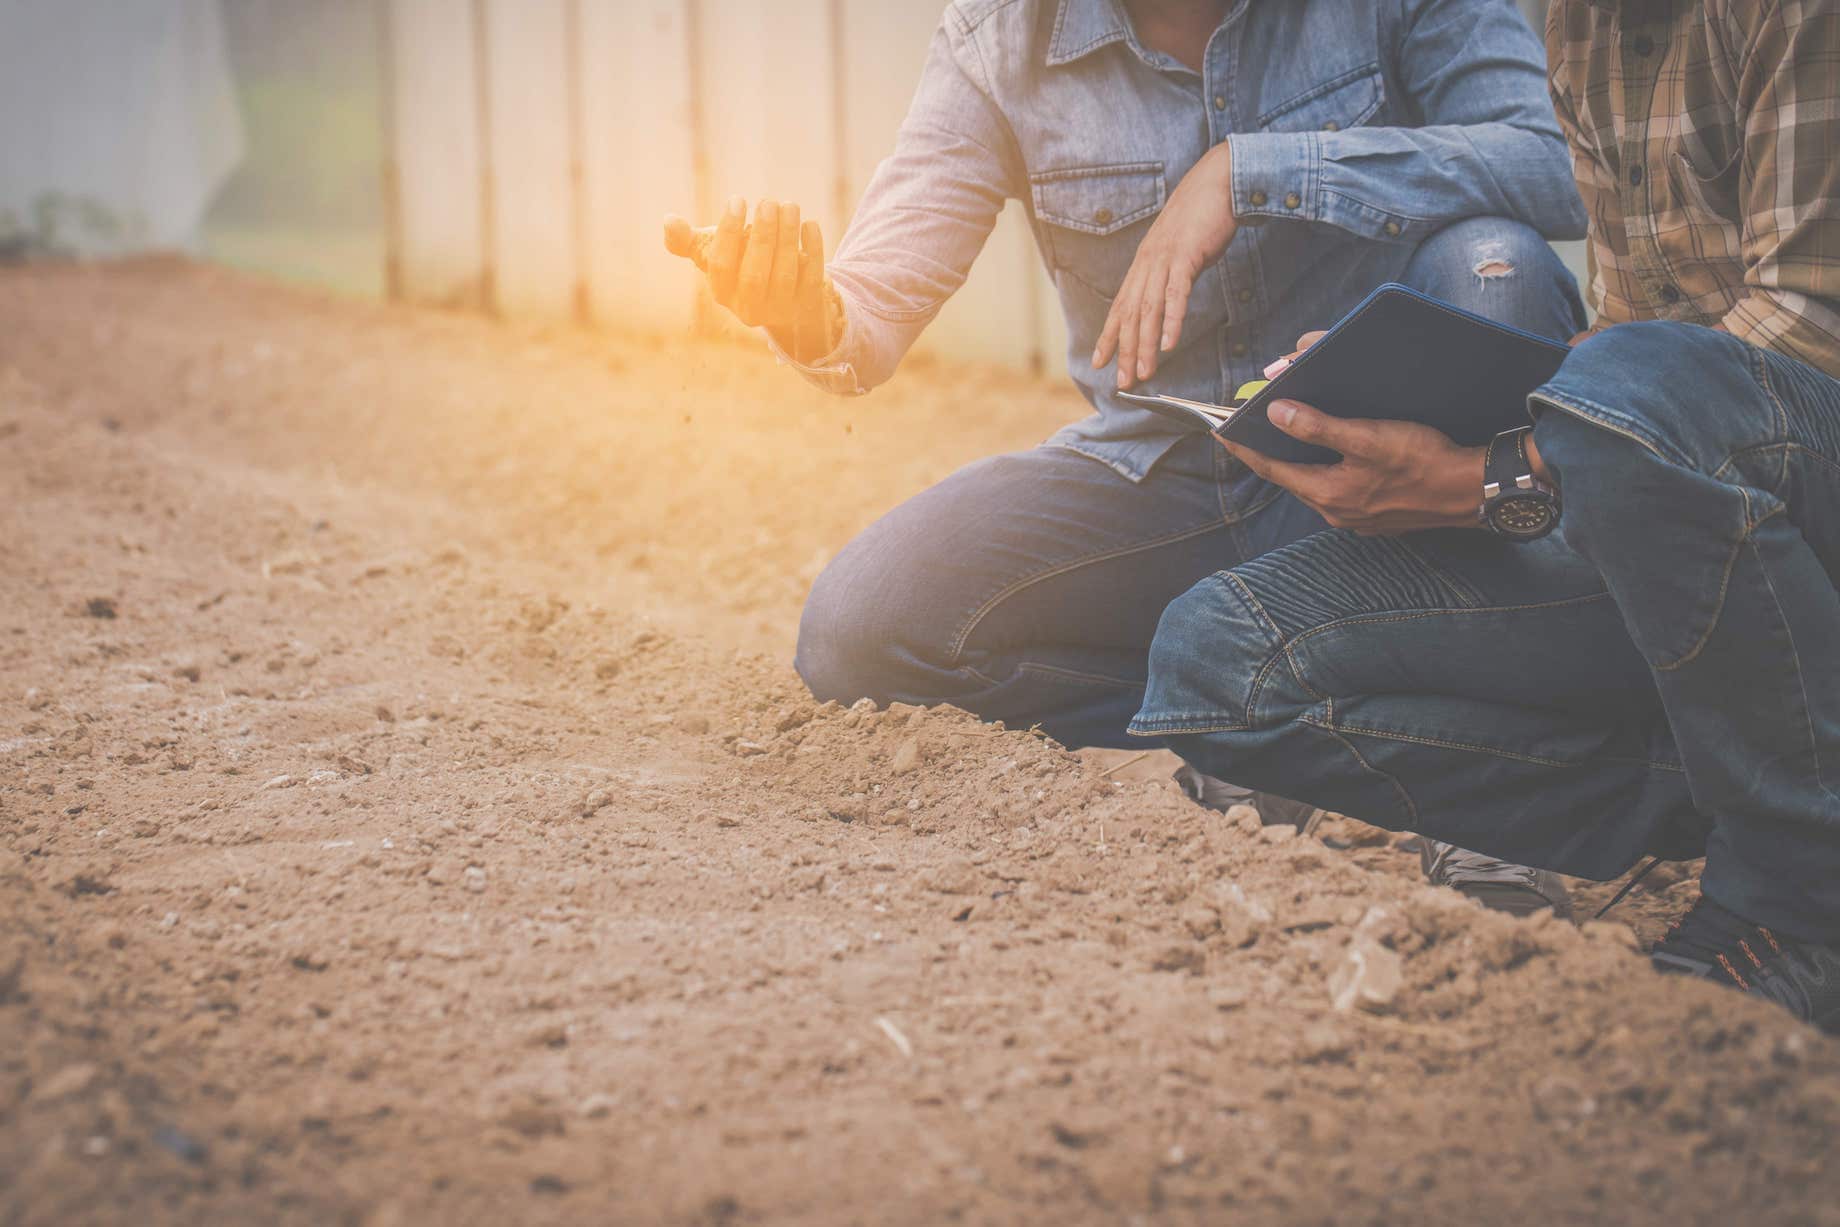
{"type": "Point", "coordinates": [1661, 676]}
{"type": "Point", "coordinates": [1026, 588]}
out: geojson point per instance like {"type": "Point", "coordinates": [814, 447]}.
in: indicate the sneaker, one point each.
{"type": "Point", "coordinates": [1217, 794]}
{"type": "Point", "coordinates": [1519, 890]}
{"type": "Point", "coordinates": [1515, 889]}
{"type": "Point", "coordinates": [1715, 943]}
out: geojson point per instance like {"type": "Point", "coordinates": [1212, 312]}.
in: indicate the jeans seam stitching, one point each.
{"type": "Point", "coordinates": [1760, 375]}
{"type": "Point", "coordinates": [1608, 419]}
{"type": "Point", "coordinates": [1718, 604]}
{"type": "Point", "coordinates": [1179, 724]}
{"type": "Point", "coordinates": [1414, 615]}
{"type": "Point", "coordinates": [1814, 744]}
{"type": "Point", "coordinates": [1282, 652]}
{"type": "Point", "coordinates": [1405, 797]}
{"type": "Point", "coordinates": [1721, 474]}
{"type": "Point", "coordinates": [1015, 586]}
{"type": "Point", "coordinates": [1497, 752]}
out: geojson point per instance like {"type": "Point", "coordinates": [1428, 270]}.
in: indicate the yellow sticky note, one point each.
{"type": "Point", "coordinates": [1250, 389]}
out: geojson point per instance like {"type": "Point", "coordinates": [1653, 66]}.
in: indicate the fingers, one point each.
{"type": "Point", "coordinates": [1129, 305]}
{"type": "Point", "coordinates": [1175, 309]}
{"type": "Point", "coordinates": [783, 284]}
{"type": "Point", "coordinates": [1350, 437]}
{"type": "Point", "coordinates": [755, 278]}
{"type": "Point", "coordinates": [1108, 336]}
{"type": "Point", "coordinates": [811, 316]}
{"type": "Point", "coordinates": [1150, 319]}
{"type": "Point", "coordinates": [1303, 480]}
{"type": "Point", "coordinates": [677, 236]}
{"type": "Point", "coordinates": [725, 254]}
{"type": "Point", "coordinates": [1308, 339]}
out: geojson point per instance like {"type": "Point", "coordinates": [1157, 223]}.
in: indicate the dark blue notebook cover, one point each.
{"type": "Point", "coordinates": [1404, 356]}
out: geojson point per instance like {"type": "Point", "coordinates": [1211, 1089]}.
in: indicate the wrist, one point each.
{"type": "Point", "coordinates": [1458, 486]}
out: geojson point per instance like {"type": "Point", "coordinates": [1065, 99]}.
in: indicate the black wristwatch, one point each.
{"type": "Point", "coordinates": [1515, 504]}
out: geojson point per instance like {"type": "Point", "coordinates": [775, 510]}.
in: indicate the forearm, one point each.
{"type": "Point", "coordinates": [1401, 184]}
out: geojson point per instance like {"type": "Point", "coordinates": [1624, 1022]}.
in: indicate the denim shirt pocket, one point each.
{"type": "Point", "coordinates": [1345, 100]}
{"type": "Point", "coordinates": [1093, 217]}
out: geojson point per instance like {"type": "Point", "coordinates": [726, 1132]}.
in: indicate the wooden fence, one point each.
{"type": "Point", "coordinates": [534, 146]}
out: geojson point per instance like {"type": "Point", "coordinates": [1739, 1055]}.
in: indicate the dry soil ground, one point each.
{"type": "Point", "coordinates": [407, 815]}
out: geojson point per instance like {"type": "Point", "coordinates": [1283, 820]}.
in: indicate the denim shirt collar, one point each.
{"type": "Point", "coordinates": [1083, 26]}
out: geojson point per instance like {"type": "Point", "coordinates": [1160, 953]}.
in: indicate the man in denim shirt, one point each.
{"type": "Point", "coordinates": [1205, 180]}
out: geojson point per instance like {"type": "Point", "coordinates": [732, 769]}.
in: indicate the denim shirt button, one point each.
{"type": "Point", "coordinates": [1292, 200]}
{"type": "Point", "coordinates": [1245, 295]}
{"type": "Point", "coordinates": [1258, 199]}
{"type": "Point", "coordinates": [1332, 126]}
{"type": "Point", "coordinates": [1103, 217]}
{"type": "Point", "coordinates": [1220, 102]}
{"type": "Point", "coordinates": [1238, 349]}
{"type": "Point", "coordinates": [1392, 230]}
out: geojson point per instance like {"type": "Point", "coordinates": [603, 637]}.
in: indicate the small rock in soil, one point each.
{"type": "Point", "coordinates": [1179, 958]}
{"type": "Point", "coordinates": [906, 757]}
{"type": "Point", "coordinates": [1369, 978]}
{"type": "Point", "coordinates": [69, 1081]}
{"type": "Point", "coordinates": [1321, 1042]}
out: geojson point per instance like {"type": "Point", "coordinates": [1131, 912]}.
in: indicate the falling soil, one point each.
{"type": "Point", "coordinates": [407, 814]}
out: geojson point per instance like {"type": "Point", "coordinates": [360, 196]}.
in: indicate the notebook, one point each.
{"type": "Point", "coordinates": [1400, 355]}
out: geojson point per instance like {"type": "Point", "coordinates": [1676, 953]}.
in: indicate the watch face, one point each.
{"type": "Point", "coordinates": [1522, 517]}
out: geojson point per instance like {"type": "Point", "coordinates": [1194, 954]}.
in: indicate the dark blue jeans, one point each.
{"type": "Point", "coordinates": [1661, 676]}
{"type": "Point", "coordinates": [1027, 588]}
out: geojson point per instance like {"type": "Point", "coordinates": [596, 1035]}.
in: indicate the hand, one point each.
{"type": "Point", "coordinates": [770, 275]}
{"type": "Point", "coordinates": [1194, 227]}
{"type": "Point", "coordinates": [1394, 477]}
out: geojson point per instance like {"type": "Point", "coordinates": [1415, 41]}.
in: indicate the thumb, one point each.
{"type": "Point", "coordinates": [680, 239]}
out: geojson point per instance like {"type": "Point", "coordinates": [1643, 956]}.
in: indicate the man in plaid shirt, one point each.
{"type": "Point", "coordinates": [1661, 675]}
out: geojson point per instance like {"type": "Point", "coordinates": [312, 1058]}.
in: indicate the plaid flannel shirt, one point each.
{"type": "Point", "coordinates": [1705, 139]}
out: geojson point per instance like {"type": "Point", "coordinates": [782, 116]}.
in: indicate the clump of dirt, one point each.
{"type": "Point", "coordinates": [434, 831]}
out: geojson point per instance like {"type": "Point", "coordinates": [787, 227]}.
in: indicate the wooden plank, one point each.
{"type": "Point", "coordinates": [767, 104]}
{"type": "Point", "coordinates": [1007, 310]}
{"type": "Point", "coordinates": [529, 127]}
{"type": "Point", "coordinates": [437, 150]}
{"type": "Point", "coordinates": [636, 120]}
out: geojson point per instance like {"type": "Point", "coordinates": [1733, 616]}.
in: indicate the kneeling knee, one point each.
{"type": "Point", "coordinates": [835, 655]}
{"type": "Point", "coordinates": [1208, 662]}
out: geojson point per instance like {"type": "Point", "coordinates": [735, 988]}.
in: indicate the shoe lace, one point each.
{"type": "Point", "coordinates": [1714, 934]}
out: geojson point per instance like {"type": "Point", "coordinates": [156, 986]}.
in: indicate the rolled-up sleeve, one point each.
{"type": "Point", "coordinates": [1489, 144]}
{"type": "Point", "coordinates": [924, 217]}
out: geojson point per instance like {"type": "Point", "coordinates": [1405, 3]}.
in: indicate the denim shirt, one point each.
{"type": "Point", "coordinates": [1358, 127]}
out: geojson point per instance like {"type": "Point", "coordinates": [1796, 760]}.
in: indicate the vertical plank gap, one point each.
{"type": "Point", "coordinates": [702, 185]}
{"type": "Point", "coordinates": [840, 130]}
{"type": "Point", "coordinates": [390, 177]}
{"type": "Point", "coordinates": [578, 175]}
{"type": "Point", "coordinates": [488, 186]}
